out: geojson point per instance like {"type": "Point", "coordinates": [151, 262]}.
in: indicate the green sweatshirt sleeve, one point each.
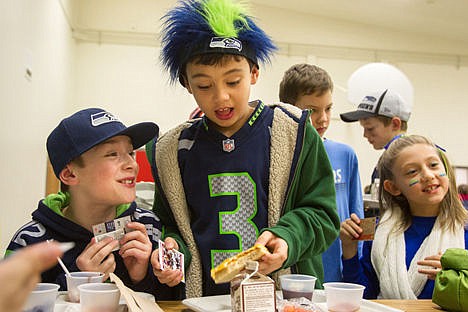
{"type": "Point", "coordinates": [170, 228]}
{"type": "Point", "coordinates": [164, 213]}
{"type": "Point", "coordinates": [310, 222]}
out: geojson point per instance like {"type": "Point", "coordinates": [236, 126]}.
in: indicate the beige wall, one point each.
{"type": "Point", "coordinates": [119, 70]}
{"type": "Point", "coordinates": [34, 34]}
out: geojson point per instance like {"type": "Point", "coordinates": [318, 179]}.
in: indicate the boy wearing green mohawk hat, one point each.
{"type": "Point", "coordinates": [245, 172]}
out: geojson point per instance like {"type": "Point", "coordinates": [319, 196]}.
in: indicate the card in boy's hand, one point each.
{"type": "Point", "coordinates": [368, 228]}
{"type": "Point", "coordinates": [171, 259]}
{"type": "Point", "coordinates": [115, 228]}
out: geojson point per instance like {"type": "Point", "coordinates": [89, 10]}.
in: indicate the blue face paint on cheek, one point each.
{"type": "Point", "coordinates": [413, 182]}
{"type": "Point", "coordinates": [442, 174]}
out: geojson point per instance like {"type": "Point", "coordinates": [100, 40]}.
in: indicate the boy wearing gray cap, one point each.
{"type": "Point", "coordinates": [384, 117]}
{"type": "Point", "coordinates": [92, 154]}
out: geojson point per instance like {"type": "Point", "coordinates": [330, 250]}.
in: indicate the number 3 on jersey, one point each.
{"type": "Point", "coordinates": [237, 221]}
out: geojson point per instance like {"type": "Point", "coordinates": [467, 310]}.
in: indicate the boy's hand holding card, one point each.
{"type": "Point", "coordinates": [171, 259]}
{"type": "Point", "coordinates": [115, 229]}
{"type": "Point", "coordinates": [368, 228]}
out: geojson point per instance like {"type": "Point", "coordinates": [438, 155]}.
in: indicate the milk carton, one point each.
{"type": "Point", "coordinates": [252, 291]}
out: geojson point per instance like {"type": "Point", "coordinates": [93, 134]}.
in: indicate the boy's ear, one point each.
{"type": "Point", "coordinates": [67, 176]}
{"type": "Point", "coordinates": [396, 123]}
{"type": "Point", "coordinates": [390, 187]}
{"type": "Point", "coordinates": [254, 75]}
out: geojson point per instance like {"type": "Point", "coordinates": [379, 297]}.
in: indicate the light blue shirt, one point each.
{"type": "Point", "coordinates": [344, 163]}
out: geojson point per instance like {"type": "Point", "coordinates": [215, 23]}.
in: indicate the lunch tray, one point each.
{"type": "Point", "coordinates": [222, 303]}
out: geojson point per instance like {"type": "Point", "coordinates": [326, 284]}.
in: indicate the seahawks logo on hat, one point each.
{"type": "Point", "coordinates": [370, 98]}
{"type": "Point", "coordinates": [102, 118]}
{"type": "Point", "coordinates": [226, 43]}
{"type": "Point", "coordinates": [367, 104]}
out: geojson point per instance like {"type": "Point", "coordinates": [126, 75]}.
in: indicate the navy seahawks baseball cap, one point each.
{"type": "Point", "coordinates": [87, 128]}
{"type": "Point", "coordinates": [387, 103]}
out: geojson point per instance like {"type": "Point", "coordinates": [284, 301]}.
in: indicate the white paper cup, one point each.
{"type": "Point", "coordinates": [99, 297]}
{"type": "Point", "coordinates": [343, 297]}
{"type": "Point", "coordinates": [78, 278]}
{"type": "Point", "coordinates": [42, 298]}
{"type": "Point", "coordinates": [297, 286]}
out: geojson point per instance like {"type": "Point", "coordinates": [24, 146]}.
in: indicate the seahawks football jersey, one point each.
{"type": "Point", "coordinates": [226, 185]}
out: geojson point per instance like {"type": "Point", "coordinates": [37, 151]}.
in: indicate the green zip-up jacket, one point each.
{"type": "Point", "coordinates": [301, 201]}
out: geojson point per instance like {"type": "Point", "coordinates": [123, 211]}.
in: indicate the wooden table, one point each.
{"type": "Point", "coordinates": [405, 305]}
{"type": "Point", "coordinates": [173, 306]}
{"type": "Point", "coordinates": [411, 305]}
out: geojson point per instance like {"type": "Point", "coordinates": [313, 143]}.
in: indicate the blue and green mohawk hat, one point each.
{"type": "Point", "coordinates": [196, 27]}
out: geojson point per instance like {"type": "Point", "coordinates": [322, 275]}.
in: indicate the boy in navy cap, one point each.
{"type": "Point", "coordinates": [92, 154]}
{"type": "Point", "coordinates": [245, 172]}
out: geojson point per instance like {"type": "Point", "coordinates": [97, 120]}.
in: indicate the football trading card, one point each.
{"type": "Point", "coordinates": [115, 229]}
{"type": "Point", "coordinates": [171, 259]}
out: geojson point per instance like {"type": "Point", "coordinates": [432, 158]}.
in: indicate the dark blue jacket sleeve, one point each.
{"type": "Point", "coordinates": [360, 271]}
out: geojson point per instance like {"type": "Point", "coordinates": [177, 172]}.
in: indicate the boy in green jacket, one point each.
{"type": "Point", "coordinates": [246, 172]}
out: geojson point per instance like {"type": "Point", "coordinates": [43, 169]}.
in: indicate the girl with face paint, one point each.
{"type": "Point", "coordinates": [421, 216]}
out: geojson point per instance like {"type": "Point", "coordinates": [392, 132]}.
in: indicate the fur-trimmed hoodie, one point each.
{"type": "Point", "coordinates": [301, 202]}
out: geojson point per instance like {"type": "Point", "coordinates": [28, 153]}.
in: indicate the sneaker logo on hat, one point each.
{"type": "Point", "coordinates": [226, 43]}
{"type": "Point", "coordinates": [102, 118]}
{"type": "Point", "coordinates": [386, 110]}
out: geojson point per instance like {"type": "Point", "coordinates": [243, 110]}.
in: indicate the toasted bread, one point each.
{"type": "Point", "coordinates": [232, 266]}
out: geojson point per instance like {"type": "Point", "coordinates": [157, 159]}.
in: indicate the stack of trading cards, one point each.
{"type": "Point", "coordinates": [115, 229]}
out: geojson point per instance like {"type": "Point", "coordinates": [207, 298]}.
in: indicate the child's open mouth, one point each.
{"type": "Point", "coordinates": [431, 188]}
{"type": "Point", "coordinates": [127, 181]}
{"type": "Point", "coordinates": [224, 113]}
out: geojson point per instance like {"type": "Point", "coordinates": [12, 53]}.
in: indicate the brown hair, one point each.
{"type": "Point", "coordinates": [452, 214]}
{"type": "Point", "coordinates": [303, 79]}
{"type": "Point", "coordinates": [463, 189]}
{"type": "Point", "coordinates": [78, 161]}
{"type": "Point", "coordinates": [387, 120]}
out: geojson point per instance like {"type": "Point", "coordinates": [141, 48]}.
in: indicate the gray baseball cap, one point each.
{"type": "Point", "coordinates": [386, 103]}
